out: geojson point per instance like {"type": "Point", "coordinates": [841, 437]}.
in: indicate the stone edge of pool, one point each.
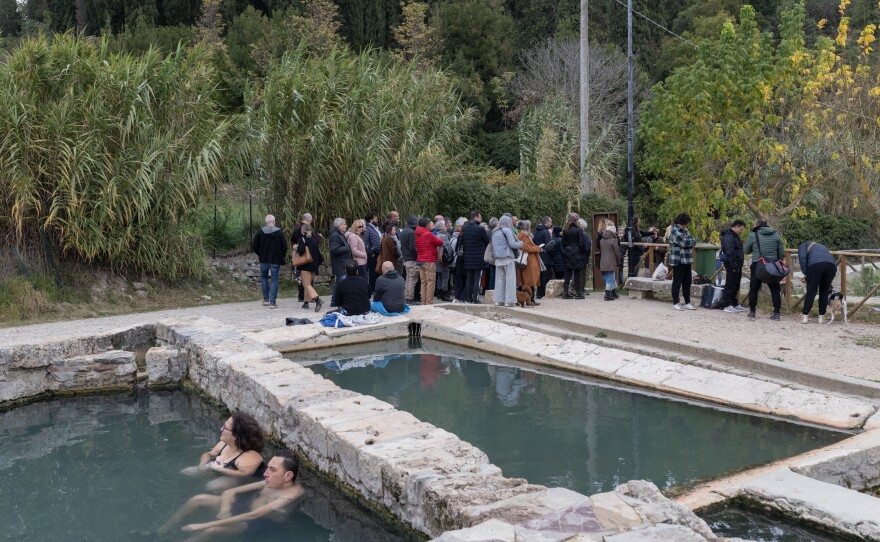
{"type": "Point", "coordinates": [430, 478]}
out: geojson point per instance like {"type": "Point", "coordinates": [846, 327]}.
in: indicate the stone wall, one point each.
{"type": "Point", "coordinates": [106, 361]}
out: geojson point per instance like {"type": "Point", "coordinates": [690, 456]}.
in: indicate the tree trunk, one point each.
{"type": "Point", "coordinates": [81, 20]}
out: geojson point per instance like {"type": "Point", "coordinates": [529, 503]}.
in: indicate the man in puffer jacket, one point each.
{"type": "Point", "coordinates": [270, 244]}
{"type": "Point", "coordinates": [733, 259]}
{"type": "Point", "coordinates": [764, 242]}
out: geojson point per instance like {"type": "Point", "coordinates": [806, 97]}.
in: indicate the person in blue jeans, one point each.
{"type": "Point", "coordinates": [270, 244]}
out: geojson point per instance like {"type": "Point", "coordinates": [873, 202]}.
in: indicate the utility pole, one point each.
{"type": "Point", "coordinates": [586, 188]}
{"type": "Point", "coordinates": [630, 159]}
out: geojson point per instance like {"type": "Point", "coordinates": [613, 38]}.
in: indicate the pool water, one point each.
{"type": "Point", "coordinates": [108, 469]}
{"type": "Point", "coordinates": [734, 521]}
{"type": "Point", "coordinates": [577, 433]}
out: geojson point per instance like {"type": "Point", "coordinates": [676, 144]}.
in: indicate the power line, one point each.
{"type": "Point", "coordinates": [658, 25]}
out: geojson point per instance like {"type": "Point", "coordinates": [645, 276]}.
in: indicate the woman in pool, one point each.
{"type": "Point", "coordinates": [237, 455]}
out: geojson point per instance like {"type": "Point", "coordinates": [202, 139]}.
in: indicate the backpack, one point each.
{"type": "Point", "coordinates": [447, 254]}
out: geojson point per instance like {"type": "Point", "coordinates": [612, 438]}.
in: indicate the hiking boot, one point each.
{"type": "Point", "coordinates": [608, 296]}
{"type": "Point", "coordinates": [775, 316]}
{"type": "Point", "coordinates": [614, 294]}
{"type": "Point", "coordinates": [805, 318]}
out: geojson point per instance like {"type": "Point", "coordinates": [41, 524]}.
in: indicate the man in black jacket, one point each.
{"type": "Point", "coordinates": [270, 244]}
{"type": "Point", "coordinates": [733, 258]}
{"type": "Point", "coordinates": [340, 254]}
{"type": "Point", "coordinates": [474, 239]}
{"type": "Point", "coordinates": [390, 289]}
{"type": "Point", "coordinates": [543, 235]}
{"type": "Point", "coordinates": [353, 293]}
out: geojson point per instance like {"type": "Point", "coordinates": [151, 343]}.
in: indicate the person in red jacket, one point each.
{"type": "Point", "coordinates": [426, 258]}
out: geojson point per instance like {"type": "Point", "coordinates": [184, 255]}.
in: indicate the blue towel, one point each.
{"type": "Point", "coordinates": [377, 306]}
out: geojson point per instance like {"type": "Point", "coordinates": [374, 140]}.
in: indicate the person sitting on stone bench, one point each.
{"type": "Point", "coordinates": [250, 508]}
{"type": "Point", "coordinates": [353, 293]}
{"type": "Point", "coordinates": [390, 290]}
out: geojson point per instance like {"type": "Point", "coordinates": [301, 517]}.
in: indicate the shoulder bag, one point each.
{"type": "Point", "coordinates": [300, 260]}
{"type": "Point", "coordinates": [522, 260]}
{"type": "Point", "coordinates": [769, 271]}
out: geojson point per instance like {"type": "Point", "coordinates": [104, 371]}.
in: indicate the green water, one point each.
{"type": "Point", "coordinates": [738, 522]}
{"type": "Point", "coordinates": [99, 468]}
{"type": "Point", "coordinates": [563, 431]}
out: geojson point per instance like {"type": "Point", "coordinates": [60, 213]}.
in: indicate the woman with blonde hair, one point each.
{"type": "Point", "coordinates": [358, 247]}
{"type": "Point", "coordinates": [310, 240]}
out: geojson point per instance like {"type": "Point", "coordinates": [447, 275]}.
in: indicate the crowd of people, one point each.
{"type": "Point", "coordinates": [455, 261]}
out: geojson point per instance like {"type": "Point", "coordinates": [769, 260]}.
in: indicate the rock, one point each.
{"type": "Point", "coordinates": [489, 531]}
{"type": "Point", "coordinates": [142, 293]}
{"type": "Point", "coordinates": [115, 368]}
{"type": "Point", "coordinates": [653, 507]}
{"type": "Point", "coordinates": [554, 288]}
{"type": "Point", "coordinates": [489, 297]}
{"type": "Point", "coordinates": [206, 298]}
{"type": "Point", "coordinates": [139, 286]}
{"type": "Point", "coordinates": [613, 514]}
{"type": "Point", "coordinates": [165, 365]}
{"type": "Point", "coordinates": [659, 533]}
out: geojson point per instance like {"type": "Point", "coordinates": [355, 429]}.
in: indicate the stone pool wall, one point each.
{"type": "Point", "coordinates": [423, 475]}
{"type": "Point", "coordinates": [102, 362]}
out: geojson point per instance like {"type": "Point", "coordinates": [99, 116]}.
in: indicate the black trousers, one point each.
{"type": "Point", "coordinates": [460, 281]}
{"type": "Point", "coordinates": [755, 287]}
{"type": "Point", "coordinates": [545, 278]}
{"type": "Point", "coordinates": [371, 270]}
{"type": "Point", "coordinates": [472, 288]}
{"type": "Point", "coordinates": [732, 280]}
{"type": "Point", "coordinates": [819, 278]}
{"type": "Point", "coordinates": [681, 282]}
{"type": "Point", "coordinates": [569, 275]}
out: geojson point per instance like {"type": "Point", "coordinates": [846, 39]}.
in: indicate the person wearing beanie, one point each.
{"type": "Point", "coordinates": [609, 259]}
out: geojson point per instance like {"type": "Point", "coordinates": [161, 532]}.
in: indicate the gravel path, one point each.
{"type": "Point", "coordinates": [830, 348]}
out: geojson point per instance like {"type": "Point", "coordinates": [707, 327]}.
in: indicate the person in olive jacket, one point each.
{"type": "Point", "coordinates": [764, 242]}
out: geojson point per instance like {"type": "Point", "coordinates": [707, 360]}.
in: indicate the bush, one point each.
{"type": "Point", "coordinates": [835, 233]}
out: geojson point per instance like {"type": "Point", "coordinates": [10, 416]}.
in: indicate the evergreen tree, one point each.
{"type": "Point", "coordinates": [10, 19]}
{"type": "Point", "coordinates": [368, 23]}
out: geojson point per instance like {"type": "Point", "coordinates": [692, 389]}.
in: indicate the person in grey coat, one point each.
{"type": "Point", "coordinates": [819, 268]}
{"type": "Point", "coordinates": [503, 243]}
{"type": "Point", "coordinates": [389, 289]}
{"type": "Point", "coordinates": [442, 269]}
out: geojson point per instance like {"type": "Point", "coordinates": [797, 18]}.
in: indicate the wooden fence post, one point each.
{"type": "Point", "coordinates": [843, 274]}
{"type": "Point", "coordinates": [788, 280]}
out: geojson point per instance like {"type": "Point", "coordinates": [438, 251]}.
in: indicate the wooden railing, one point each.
{"type": "Point", "coordinates": [845, 262]}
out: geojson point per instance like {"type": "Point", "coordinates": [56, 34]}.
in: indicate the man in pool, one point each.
{"type": "Point", "coordinates": [249, 507]}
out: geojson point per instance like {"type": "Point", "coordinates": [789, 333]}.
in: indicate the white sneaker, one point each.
{"type": "Point", "coordinates": [690, 307]}
{"type": "Point", "coordinates": [740, 308]}
{"type": "Point", "coordinates": [677, 307]}
{"type": "Point", "coordinates": [730, 308]}
{"type": "Point", "coordinates": [821, 318]}
{"type": "Point", "coordinates": [804, 318]}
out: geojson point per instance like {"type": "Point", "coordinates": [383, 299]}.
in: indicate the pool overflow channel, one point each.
{"type": "Point", "coordinates": [434, 482]}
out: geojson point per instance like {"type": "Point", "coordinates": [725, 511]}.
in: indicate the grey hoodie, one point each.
{"type": "Point", "coordinates": [503, 241]}
{"type": "Point", "coordinates": [408, 239]}
{"type": "Point", "coordinates": [270, 244]}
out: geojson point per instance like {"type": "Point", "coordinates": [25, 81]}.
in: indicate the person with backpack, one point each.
{"type": "Point", "coordinates": [733, 259]}
{"type": "Point", "coordinates": [819, 268]}
{"type": "Point", "coordinates": [764, 242]}
{"type": "Point", "coordinates": [445, 256]}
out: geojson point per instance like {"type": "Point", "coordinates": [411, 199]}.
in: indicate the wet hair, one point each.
{"type": "Point", "coordinates": [682, 220]}
{"type": "Point", "coordinates": [351, 268]}
{"type": "Point", "coordinates": [424, 221]}
{"type": "Point", "coordinates": [288, 462]}
{"type": "Point", "coordinates": [738, 222]}
{"type": "Point", "coordinates": [246, 432]}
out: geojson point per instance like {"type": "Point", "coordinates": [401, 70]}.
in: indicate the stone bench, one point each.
{"type": "Point", "coordinates": [647, 288]}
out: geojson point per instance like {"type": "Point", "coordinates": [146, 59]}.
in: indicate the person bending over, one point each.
{"type": "Point", "coordinates": [237, 455]}
{"type": "Point", "coordinates": [249, 508]}
{"type": "Point", "coordinates": [353, 294]}
{"type": "Point", "coordinates": [390, 289]}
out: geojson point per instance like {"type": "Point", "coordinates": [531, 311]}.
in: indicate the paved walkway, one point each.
{"type": "Point", "coordinates": [830, 348]}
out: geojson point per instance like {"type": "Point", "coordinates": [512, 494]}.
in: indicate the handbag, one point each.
{"type": "Point", "coordinates": [522, 260]}
{"type": "Point", "coordinates": [489, 254]}
{"type": "Point", "coordinates": [300, 260]}
{"type": "Point", "coordinates": [769, 271]}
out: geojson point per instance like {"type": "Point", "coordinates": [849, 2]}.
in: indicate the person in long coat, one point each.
{"type": "Point", "coordinates": [576, 254]}
{"type": "Point", "coordinates": [388, 251]}
{"type": "Point", "coordinates": [529, 277]}
{"type": "Point", "coordinates": [609, 259]}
